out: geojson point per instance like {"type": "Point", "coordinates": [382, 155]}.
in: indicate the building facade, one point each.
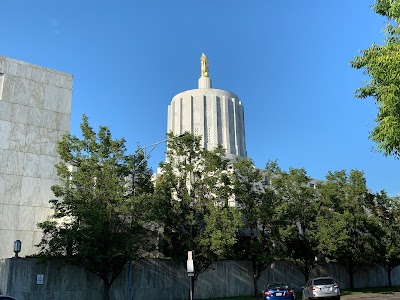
{"type": "Point", "coordinates": [216, 115]}
{"type": "Point", "coordinates": [35, 109]}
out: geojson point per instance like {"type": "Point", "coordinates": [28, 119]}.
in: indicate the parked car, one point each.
{"type": "Point", "coordinates": [278, 291]}
{"type": "Point", "coordinates": [4, 297]}
{"type": "Point", "coordinates": [321, 288]}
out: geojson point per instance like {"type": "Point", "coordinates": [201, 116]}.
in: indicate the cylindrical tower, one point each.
{"type": "Point", "coordinates": [216, 115]}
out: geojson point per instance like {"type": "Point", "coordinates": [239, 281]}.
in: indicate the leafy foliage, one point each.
{"type": "Point", "coordinates": [382, 64]}
{"type": "Point", "coordinates": [257, 202]}
{"type": "Point", "coordinates": [345, 229]}
{"type": "Point", "coordinates": [96, 223]}
{"type": "Point", "coordinates": [298, 210]}
{"type": "Point", "coordinates": [191, 203]}
{"type": "Point", "coordinates": [387, 211]}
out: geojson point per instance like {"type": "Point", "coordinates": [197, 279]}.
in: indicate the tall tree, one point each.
{"type": "Point", "coordinates": [191, 203]}
{"type": "Point", "coordinates": [298, 212]}
{"type": "Point", "coordinates": [387, 211]}
{"type": "Point", "coordinates": [345, 229]}
{"type": "Point", "coordinates": [257, 202]}
{"type": "Point", "coordinates": [382, 64]}
{"type": "Point", "coordinates": [96, 223]}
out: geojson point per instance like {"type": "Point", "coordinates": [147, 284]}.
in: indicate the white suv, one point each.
{"type": "Point", "coordinates": [321, 288]}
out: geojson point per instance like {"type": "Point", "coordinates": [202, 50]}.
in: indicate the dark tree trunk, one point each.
{"type": "Point", "coordinates": [255, 278]}
{"type": "Point", "coordinates": [389, 275]}
{"type": "Point", "coordinates": [351, 271]}
{"type": "Point", "coordinates": [106, 290]}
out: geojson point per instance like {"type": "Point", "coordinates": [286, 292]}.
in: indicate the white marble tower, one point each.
{"type": "Point", "coordinates": [217, 115]}
{"type": "Point", "coordinates": [35, 108]}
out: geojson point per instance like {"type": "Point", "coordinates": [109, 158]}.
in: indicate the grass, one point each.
{"type": "Point", "coordinates": [383, 289]}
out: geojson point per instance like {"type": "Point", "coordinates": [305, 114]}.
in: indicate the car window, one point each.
{"type": "Point", "coordinates": [278, 286]}
{"type": "Point", "coordinates": [323, 281]}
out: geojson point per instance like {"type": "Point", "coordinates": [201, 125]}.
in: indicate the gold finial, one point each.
{"type": "Point", "coordinates": [204, 65]}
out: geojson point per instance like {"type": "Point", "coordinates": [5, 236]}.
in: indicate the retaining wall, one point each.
{"type": "Point", "coordinates": [164, 280]}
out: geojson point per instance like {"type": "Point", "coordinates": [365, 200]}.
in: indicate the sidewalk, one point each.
{"type": "Point", "coordinates": [382, 295]}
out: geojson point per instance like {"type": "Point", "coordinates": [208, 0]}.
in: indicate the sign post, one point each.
{"type": "Point", "coordinates": [190, 271]}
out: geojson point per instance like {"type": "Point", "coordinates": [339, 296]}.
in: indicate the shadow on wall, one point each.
{"type": "Point", "coordinates": [164, 279]}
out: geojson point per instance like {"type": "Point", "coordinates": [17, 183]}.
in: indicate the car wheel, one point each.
{"type": "Point", "coordinates": [337, 298]}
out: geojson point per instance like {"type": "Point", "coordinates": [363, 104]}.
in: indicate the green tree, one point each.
{"type": "Point", "coordinates": [345, 229]}
{"type": "Point", "coordinates": [387, 211]}
{"type": "Point", "coordinates": [257, 202]}
{"type": "Point", "coordinates": [298, 212]}
{"type": "Point", "coordinates": [191, 203]}
{"type": "Point", "coordinates": [382, 64]}
{"type": "Point", "coordinates": [96, 223]}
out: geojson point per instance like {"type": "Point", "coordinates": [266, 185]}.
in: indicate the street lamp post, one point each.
{"type": "Point", "coordinates": [134, 168]}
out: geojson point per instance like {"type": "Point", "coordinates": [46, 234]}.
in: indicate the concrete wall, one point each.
{"type": "Point", "coordinates": [35, 108]}
{"type": "Point", "coordinates": [163, 280]}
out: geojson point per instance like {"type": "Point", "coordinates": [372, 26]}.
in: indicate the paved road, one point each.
{"type": "Point", "coordinates": [373, 296]}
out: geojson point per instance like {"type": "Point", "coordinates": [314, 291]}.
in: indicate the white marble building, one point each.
{"type": "Point", "coordinates": [35, 109]}
{"type": "Point", "coordinates": [217, 115]}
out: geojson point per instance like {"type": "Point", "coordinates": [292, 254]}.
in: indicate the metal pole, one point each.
{"type": "Point", "coordinates": [191, 288]}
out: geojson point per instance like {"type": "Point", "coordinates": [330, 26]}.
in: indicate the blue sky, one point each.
{"type": "Point", "coordinates": [288, 61]}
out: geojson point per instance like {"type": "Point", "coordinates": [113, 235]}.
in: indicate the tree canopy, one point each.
{"type": "Point", "coordinates": [257, 203]}
{"type": "Point", "coordinates": [345, 229]}
{"type": "Point", "coordinates": [96, 223]}
{"type": "Point", "coordinates": [191, 203]}
{"type": "Point", "coordinates": [382, 64]}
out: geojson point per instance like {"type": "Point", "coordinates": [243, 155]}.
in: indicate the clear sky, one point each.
{"type": "Point", "coordinates": [288, 61]}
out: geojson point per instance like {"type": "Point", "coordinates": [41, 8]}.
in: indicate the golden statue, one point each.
{"type": "Point", "coordinates": [204, 65]}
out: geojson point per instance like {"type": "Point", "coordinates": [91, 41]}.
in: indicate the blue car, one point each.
{"type": "Point", "coordinates": [279, 291]}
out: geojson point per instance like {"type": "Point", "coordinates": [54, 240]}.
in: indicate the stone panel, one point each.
{"type": "Point", "coordinates": [36, 94]}
{"type": "Point", "coordinates": [13, 189]}
{"type": "Point", "coordinates": [35, 116]}
{"type": "Point", "coordinates": [33, 139]}
{"type": "Point", "coordinates": [64, 101]}
{"type": "Point", "coordinates": [8, 238]}
{"type": "Point", "coordinates": [15, 163]}
{"type": "Point", "coordinates": [10, 217]}
{"type": "Point", "coordinates": [3, 161]}
{"type": "Point", "coordinates": [2, 185]}
{"type": "Point", "coordinates": [30, 190]}
{"type": "Point", "coordinates": [48, 141]}
{"type": "Point", "coordinates": [24, 71]}
{"type": "Point", "coordinates": [38, 74]}
{"type": "Point", "coordinates": [20, 113]}
{"type": "Point", "coordinates": [5, 131]}
{"type": "Point", "coordinates": [46, 166]}
{"type": "Point", "coordinates": [49, 119]}
{"type": "Point", "coordinates": [5, 110]}
{"type": "Point", "coordinates": [51, 95]}
{"type": "Point", "coordinates": [63, 122]}
{"type": "Point", "coordinates": [31, 166]}
{"type": "Point", "coordinates": [17, 137]}
{"type": "Point", "coordinates": [11, 67]}
{"type": "Point", "coordinates": [26, 216]}
{"type": "Point", "coordinates": [8, 88]}
{"type": "Point", "coordinates": [21, 91]}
